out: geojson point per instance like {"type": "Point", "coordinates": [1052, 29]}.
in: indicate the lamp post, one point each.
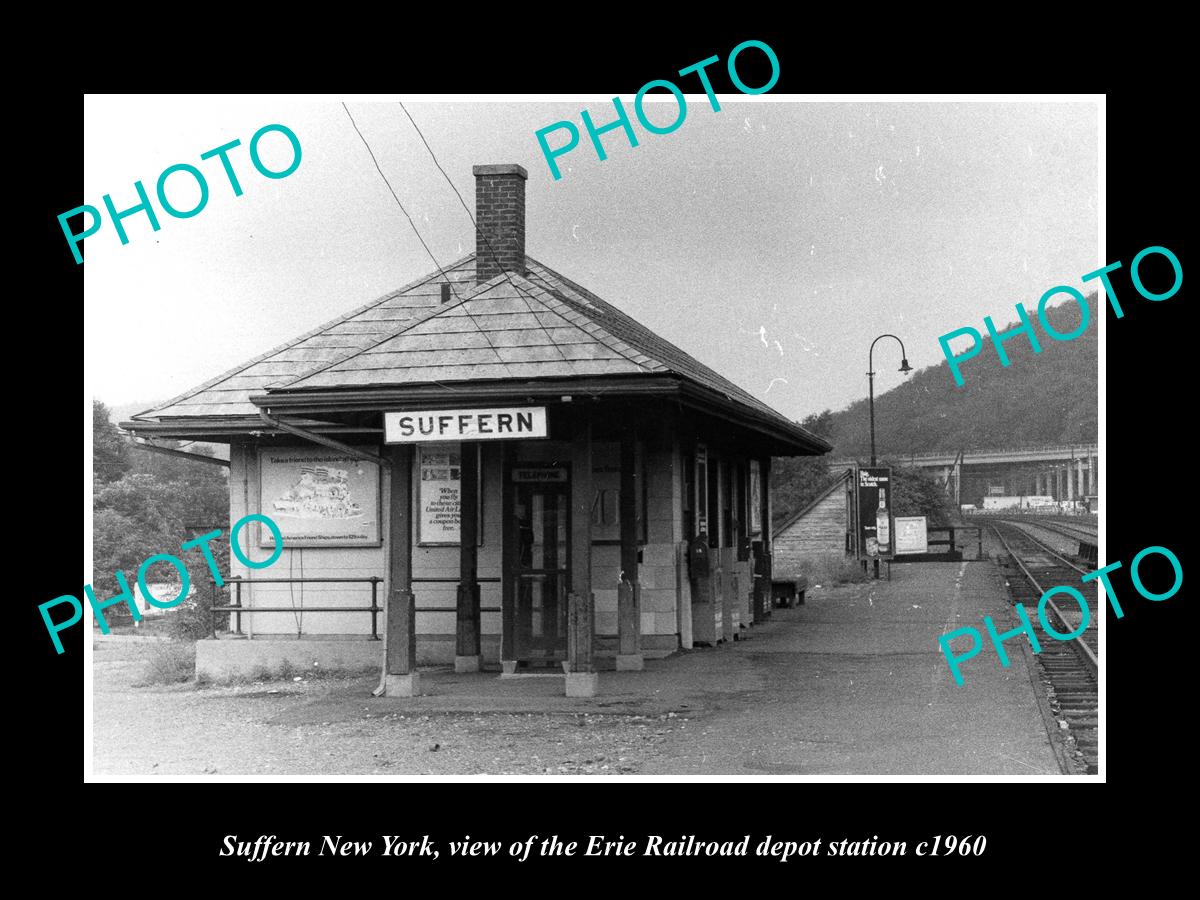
{"type": "Point", "coordinates": [904, 367]}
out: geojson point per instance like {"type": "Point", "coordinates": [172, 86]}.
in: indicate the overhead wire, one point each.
{"type": "Point", "coordinates": [441, 271]}
{"type": "Point", "coordinates": [478, 231]}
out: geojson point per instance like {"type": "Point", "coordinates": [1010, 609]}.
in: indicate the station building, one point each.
{"type": "Point", "coordinates": [521, 474]}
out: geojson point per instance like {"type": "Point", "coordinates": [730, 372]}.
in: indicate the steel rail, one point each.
{"type": "Point", "coordinates": [1079, 642]}
{"type": "Point", "coordinates": [1043, 545]}
{"type": "Point", "coordinates": [1068, 529]}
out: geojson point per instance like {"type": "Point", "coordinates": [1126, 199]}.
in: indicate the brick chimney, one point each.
{"type": "Point", "coordinates": [500, 215]}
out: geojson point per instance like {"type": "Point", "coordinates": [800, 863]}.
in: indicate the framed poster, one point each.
{"type": "Point", "coordinates": [318, 497]}
{"type": "Point", "coordinates": [911, 535]}
{"type": "Point", "coordinates": [874, 486]}
{"type": "Point", "coordinates": [439, 495]}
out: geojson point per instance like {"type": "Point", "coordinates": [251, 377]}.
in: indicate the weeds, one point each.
{"type": "Point", "coordinates": [169, 663]}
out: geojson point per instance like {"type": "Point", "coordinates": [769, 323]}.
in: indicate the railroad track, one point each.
{"type": "Point", "coordinates": [1068, 668]}
{"type": "Point", "coordinates": [1082, 534]}
{"type": "Point", "coordinates": [1078, 531]}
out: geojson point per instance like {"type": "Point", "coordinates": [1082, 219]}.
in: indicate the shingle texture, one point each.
{"type": "Point", "coordinates": [541, 325]}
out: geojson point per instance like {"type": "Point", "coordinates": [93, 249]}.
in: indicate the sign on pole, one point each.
{"type": "Point", "coordinates": [875, 531]}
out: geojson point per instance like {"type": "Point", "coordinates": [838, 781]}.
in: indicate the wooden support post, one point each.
{"type": "Point", "coordinates": [508, 544]}
{"type": "Point", "coordinates": [466, 639]}
{"type": "Point", "coordinates": [629, 616]}
{"type": "Point", "coordinates": [581, 675]}
{"type": "Point", "coordinates": [768, 526]}
{"type": "Point", "coordinates": [401, 647]}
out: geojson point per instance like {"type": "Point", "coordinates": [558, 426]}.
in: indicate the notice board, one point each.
{"type": "Point", "coordinates": [911, 535]}
{"type": "Point", "coordinates": [318, 497]}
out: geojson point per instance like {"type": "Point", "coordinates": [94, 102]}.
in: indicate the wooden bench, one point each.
{"type": "Point", "coordinates": [788, 592]}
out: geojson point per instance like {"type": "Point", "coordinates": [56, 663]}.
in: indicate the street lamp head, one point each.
{"type": "Point", "coordinates": [905, 367]}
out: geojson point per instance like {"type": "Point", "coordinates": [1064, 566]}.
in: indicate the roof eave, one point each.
{"type": "Point", "coordinates": [378, 399]}
{"type": "Point", "coordinates": [220, 429]}
{"type": "Point", "coordinates": [384, 398]}
{"type": "Point", "coordinates": [776, 427]}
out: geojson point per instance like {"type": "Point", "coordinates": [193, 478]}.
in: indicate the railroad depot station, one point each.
{"type": "Point", "coordinates": [524, 477]}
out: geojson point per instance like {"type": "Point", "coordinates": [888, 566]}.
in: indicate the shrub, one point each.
{"type": "Point", "coordinates": [169, 663]}
{"type": "Point", "coordinates": [192, 619]}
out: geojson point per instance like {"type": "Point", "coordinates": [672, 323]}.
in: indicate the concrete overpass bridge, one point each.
{"type": "Point", "coordinates": [1061, 471]}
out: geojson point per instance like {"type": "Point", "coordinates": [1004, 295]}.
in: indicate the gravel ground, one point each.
{"type": "Point", "coordinates": [852, 682]}
{"type": "Point", "coordinates": [331, 726]}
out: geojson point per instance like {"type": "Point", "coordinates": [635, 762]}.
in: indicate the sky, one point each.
{"type": "Point", "coordinates": [773, 239]}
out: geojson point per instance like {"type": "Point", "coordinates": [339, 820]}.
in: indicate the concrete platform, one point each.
{"type": "Point", "coordinates": [217, 660]}
{"type": "Point", "coordinates": [854, 682]}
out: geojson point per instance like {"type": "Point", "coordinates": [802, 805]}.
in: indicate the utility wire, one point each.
{"type": "Point", "coordinates": [441, 271]}
{"type": "Point", "coordinates": [520, 293]}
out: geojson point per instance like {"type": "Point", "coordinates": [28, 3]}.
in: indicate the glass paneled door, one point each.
{"type": "Point", "coordinates": [542, 505]}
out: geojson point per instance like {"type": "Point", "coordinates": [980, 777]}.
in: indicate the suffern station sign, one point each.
{"type": "Point", "coordinates": [465, 425]}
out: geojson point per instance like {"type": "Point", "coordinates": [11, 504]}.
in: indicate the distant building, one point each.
{"type": "Point", "coordinates": [825, 526]}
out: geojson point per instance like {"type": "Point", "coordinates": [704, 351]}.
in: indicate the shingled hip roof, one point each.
{"type": "Point", "coordinates": [511, 327]}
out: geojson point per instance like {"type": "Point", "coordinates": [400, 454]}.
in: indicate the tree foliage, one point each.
{"type": "Point", "coordinates": [1039, 398]}
{"type": "Point", "coordinates": [798, 480]}
{"type": "Point", "coordinates": [917, 493]}
{"type": "Point", "coordinates": [146, 503]}
{"type": "Point", "coordinates": [110, 459]}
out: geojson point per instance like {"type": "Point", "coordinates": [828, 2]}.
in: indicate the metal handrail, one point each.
{"type": "Point", "coordinates": [238, 609]}
{"type": "Point", "coordinates": [374, 609]}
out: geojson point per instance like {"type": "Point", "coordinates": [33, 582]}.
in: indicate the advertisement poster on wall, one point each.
{"type": "Point", "coordinates": [439, 496]}
{"type": "Point", "coordinates": [319, 497]}
{"type": "Point", "coordinates": [755, 498]}
{"type": "Point", "coordinates": [874, 485]}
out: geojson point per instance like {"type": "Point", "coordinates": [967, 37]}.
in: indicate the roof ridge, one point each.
{"type": "Point", "coordinates": [525, 289]}
{"type": "Point", "coordinates": [605, 337]}
{"type": "Point", "coordinates": [304, 337]}
{"type": "Point", "coordinates": [432, 313]}
{"type": "Point", "coordinates": [605, 307]}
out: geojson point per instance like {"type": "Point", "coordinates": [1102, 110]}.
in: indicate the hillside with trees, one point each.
{"type": "Point", "coordinates": [1039, 398]}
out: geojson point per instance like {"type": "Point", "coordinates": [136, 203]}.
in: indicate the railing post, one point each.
{"type": "Point", "coordinates": [374, 608]}
{"type": "Point", "coordinates": [238, 616]}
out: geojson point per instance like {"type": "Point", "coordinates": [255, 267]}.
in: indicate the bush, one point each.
{"type": "Point", "coordinates": [192, 620]}
{"type": "Point", "coordinates": [917, 493]}
{"type": "Point", "coordinates": [169, 663]}
{"type": "Point", "coordinates": [832, 569]}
